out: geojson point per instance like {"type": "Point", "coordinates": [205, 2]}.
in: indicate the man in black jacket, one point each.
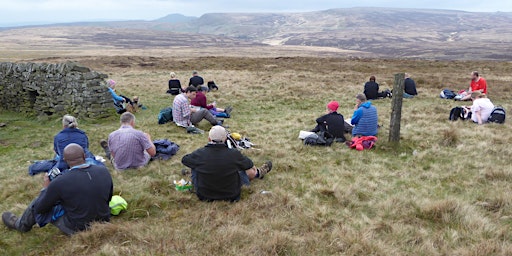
{"type": "Point", "coordinates": [196, 81]}
{"type": "Point", "coordinates": [333, 123]}
{"type": "Point", "coordinates": [71, 201]}
{"type": "Point", "coordinates": [219, 172]}
{"type": "Point", "coordinates": [409, 87]}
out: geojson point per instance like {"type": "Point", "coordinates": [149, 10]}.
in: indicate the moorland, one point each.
{"type": "Point", "coordinates": [443, 190]}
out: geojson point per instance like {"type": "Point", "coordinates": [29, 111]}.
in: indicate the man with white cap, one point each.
{"type": "Point", "coordinates": [219, 172]}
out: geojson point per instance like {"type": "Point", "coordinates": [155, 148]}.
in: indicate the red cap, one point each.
{"type": "Point", "coordinates": [333, 105]}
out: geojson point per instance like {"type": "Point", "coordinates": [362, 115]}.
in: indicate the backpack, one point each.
{"type": "Point", "coordinates": [318, 139]}
{"type": "Point", "coordinates": [165, 115]}
{"type": "Point", "coordinates": [459, 112]}
{"type": "Point", "coordinates": [212, 85]}
{"type": "Point", "coordinates": [497, 115]}
{"type": "Point", "coordinates": [447, 94]}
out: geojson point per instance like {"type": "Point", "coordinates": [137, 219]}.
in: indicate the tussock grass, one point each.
{"type": "Point", "coordinates": [444, 190]}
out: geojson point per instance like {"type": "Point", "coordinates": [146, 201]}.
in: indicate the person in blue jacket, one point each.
{"type": "Point", "coordinates": [70, 134]}
{"type": "Point", "coordinates": [123, 103]}
{"type": "Point", "coordinates": [364, 119]}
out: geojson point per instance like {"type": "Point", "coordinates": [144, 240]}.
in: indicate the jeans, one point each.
{"type": "Point", "coordinates": [28, 220]}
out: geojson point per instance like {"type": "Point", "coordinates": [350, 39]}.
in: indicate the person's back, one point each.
{"type": "Point", "coordinates": [196, 80]}
{"type": "Point", "coordinates": [484, 106]}
{"type": "Point", "coordinates": [335, 124]}
{"type": "Point", "coordinates": [371, 90]}
{"type": "Point", "coordinates": [130, 148]}
{"type": "Point", "coordinates": [84, 193]}
{"type": "Point", "coordinates": [410, 86]}
{"type": "Point", "coordinates": [69, 134]}
{"type": "Point", "coordinates": [174, 87]}
{"type": "Point", "coordinates": [365, 118]}
{"type": "Point", "coordinates": [217, 171]}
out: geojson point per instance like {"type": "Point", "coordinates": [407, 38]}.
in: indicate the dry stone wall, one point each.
{"type": "Point", "coordinates": [48, 89]}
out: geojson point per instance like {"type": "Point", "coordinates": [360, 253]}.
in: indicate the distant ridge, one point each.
{"type": "Point", "coordinates": [175, 18]}
{"type": "Point", "coordinates": [382, 32]}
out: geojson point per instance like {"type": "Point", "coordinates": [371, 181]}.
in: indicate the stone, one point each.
{"type": "Point", "coordinates": [46, 89]}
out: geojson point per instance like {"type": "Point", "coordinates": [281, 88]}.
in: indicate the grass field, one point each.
{"type": "Point", "coordinates": [445, 190]}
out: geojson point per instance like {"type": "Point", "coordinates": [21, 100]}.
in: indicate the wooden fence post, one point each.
{"type": "Point", "coordinates": [396, 108]}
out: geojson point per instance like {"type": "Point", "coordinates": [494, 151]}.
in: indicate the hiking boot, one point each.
{"type": "Point", "coordinates": [228, 110]}
{"type": "Point", "coordinates": [9, 220]}
{"type": "Point", "coordinates": [104, 145]}
{"type": "Point", "coordinates": [264, 169]}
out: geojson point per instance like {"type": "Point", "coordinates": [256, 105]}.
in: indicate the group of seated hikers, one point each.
{"type": "Point", "coordinates": [364, 121]}
{"type": "Point", "coordinates": [196, 80]}
{"type": "Point", "coordinates": [363, 125]}
{"type": "Point", "coordinates": [190, 104]}
{"type": "Point", "coordinates": [77, 187]}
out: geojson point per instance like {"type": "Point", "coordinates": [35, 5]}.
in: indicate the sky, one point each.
{"type": "Point", "coordinates": [32, 12]}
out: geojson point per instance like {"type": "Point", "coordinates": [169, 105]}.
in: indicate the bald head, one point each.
{"type": "Point", "coordinates": [74, 155]}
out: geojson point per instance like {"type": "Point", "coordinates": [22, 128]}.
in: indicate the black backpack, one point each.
{"type": "Point", "coordinates": [212, 85]}
{"type": "Point", "coordinates": [497, 115]}
{"type": "Point", "coordinates": [319, 139]}
{"type": "Point", "coordinates": [456, 113]}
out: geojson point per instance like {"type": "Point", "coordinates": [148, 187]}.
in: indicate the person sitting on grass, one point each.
{"type": "Point", "coordinates": [409, 87]}
{"type": "Point", "coordinates": [71, 201]}
{"type": "Point", "coordinates": [174, 85]}
{"type": "Point", "coordinates": [219, 172]}
{"type": "Point", "coordinates": [71, 134]}
{"type": "Point", "coordinates": [186, 116]}
{"type": "Point", "coordinates": [371, 90]}
{"type": "Point", "coordinates": [481, 109]}
{"type": "Point", "coordinates": [200, 101]}
{"type": "Point", "coordinates": [123, 103]}
{"type": "Point", "coordinates": [197, 81]}
{"type": "Point", "coordinates": [364, 119]}
{"type": "Point", "coordinates": [332, 122]}
{"type": "Point", "coordinates": [128, 147]}
{"type": "Point", "coordinates": [478, 83]}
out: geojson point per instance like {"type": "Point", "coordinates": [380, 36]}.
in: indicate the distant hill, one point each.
{"type": "Point", "coordinates": [175, 18]}
{"type": "Point", "coordinates": [382, 32]}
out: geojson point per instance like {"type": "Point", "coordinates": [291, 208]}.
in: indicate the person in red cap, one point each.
{"type": "Point", "coordinates": [332, 123]}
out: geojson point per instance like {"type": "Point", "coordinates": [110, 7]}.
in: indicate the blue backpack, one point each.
{"type": "Point", "coordinates": [447, 94]}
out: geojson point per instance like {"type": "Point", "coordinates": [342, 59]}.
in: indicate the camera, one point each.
{"type": "Point", "coordinates": [53, 173]}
